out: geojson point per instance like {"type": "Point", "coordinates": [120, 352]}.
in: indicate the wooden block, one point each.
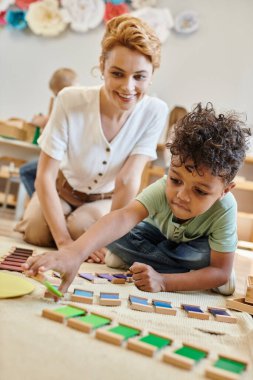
{"type": "Point", "coordinates": [145, 346]}
{"type": "Point", "coordinates": [111, 278]}
{"type": "Point", "coordinates": [221, 315]}
{"type": "Point", "coordinates": [194, 311]}
{"type": "Point", "coordinates": [109, 299]}
{"type": "Point", "coordinates": [249, 291]}
{"type": "Point", "coordinates": [117, 337]}
{"type": "Point", "coordinates": [182, 360]}
{"type": "Point", "coordinates": [89, 322]}
{"type": "Point", "coordinates": [43, 280]}
{"type": "Point", "coordinates": [11, 268]}
{"type": "Point", "coordinates": [140, 304]}
{"type": "Point", "coordinates": [239, 304]}
{"type": "Point", "coordinates": [119, 278]}
{"type": "Point", "coordinates": [217, 372]}
{"type": "Point", "coordinates": [163, 307]}
{"type": "Point", "coordinates": [83, 296]}
{"type": "Point", "coordinates": [22, 250]}
{"type": "Point", "coordinates": [62, 313]}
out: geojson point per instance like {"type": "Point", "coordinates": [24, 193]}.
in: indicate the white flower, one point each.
{"type": "Point", "coordinates": [160, 19]}
{"type": "Point", "coordinates": [83, 14]}
{"type": "Point", "coordinates": [137, 4]}
{"type": "Point", "coordinates": [46, 18]}
{"type": "Point", "coordinates": [4, 4]}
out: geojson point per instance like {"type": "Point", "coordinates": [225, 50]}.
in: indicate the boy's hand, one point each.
{"type": "Point", "coordinates": [98, 256]}
{"type": "Point", "coordinates": [61, 261]}
{"type": "Point", "coordinates": [146, 278]}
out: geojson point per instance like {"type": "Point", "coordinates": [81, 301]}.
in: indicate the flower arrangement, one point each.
{"type": "Point", "coordinates": [49, 18]}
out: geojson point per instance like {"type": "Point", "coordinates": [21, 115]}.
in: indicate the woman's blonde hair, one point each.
{"type": "Point", "coordinates": [134, 34]}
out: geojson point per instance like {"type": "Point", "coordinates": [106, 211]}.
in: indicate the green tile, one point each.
{"type": "Point", "coordinates": [191, 353]}
{"type": "Point", "coordinates": [95, 320]}
{"type": "Point", "coordinates": [125, 331]}
{"type": "Point", "coordinates": [70, 311]}
{"type": "Point", "coordinates": [156, 341]}
{"type": "Point", "coordinates": [230, 365]}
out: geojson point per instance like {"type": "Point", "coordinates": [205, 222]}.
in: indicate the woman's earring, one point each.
{"type": "Point", "coordinates": [150, 83]}
{"type": "Point", "coordinates": [102, 77]}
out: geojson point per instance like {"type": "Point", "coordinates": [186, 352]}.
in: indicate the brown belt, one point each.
{"type": "Point", "coordinates": [76, 198]}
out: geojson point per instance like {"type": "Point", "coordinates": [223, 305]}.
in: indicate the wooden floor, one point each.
{"type": "Point", "coordinates": [243, 260]}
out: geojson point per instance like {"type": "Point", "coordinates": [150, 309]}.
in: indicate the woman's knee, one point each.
{"type": "Point", "coordinates": [38, 233]}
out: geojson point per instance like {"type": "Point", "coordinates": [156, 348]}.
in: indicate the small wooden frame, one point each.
{"type": "Point", "coordinates": [163, 307]}
{"type": "Point", "coordinates": [89, 322]}
{"type": "Point", "coordinates": [112, 278]}
{"type": "Point", "coordinates": [222, 315]}
{"type": "Point", "coordinates": [249, 291]}
{"type": "Point", "coordinates": [194, 311]}
{"type": "Point", "coordinates": [49, 294]}
{"type": "Point", "coordinates": [109, 299]}
{"type": "Point", "coordinates": [149, 344]}
{"type": "Point", "coordinates": [64, 312]}
{"type": "Point", "coordinates": [186, 356]}
{"type": "Point", "coordinates": [140, 304]}
{"type": "Point", "coordinates": [239, 304]}
{"type": "Point", "coordinates": [226, 368]}
{"type": "Point", "coordinates": [118, 334]}
{"type": "Point", "coordinates": [50, 287]}
{"type": "Point", "coordinates": [84, 296]}
{"type": "Point", "coordinates": [92, 278]}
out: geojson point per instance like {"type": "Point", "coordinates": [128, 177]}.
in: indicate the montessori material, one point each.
{"type": "Point", "coordinates": [113, 279]}
{"type": "Point", "coordinates": [16, 257]}
{"type": "Point", "coordinates": [239, 304]}
{"type": "Point", "coordinates": [13, 286]}
{"type": "Point", "coordinates": [222, 315]}
{"type": "Point", "coordinates": [195, 312]}
{"type": "Point", "coordinates": [249, 291]}
{"type": "Point", "coordinates": [118, 334]}
{"type": "Point", "coordinates": [186, 356]}
{"type": "Point", "coordinates": [64, 312]}
{"type": "Point", "coordinates": [163, 307]}
{"type": "Point", "coordinates": [140, 304]}
{"type": "Point", "coordinates": [149, 344]}
{"type": "Point", "coordinates": [89, 322]}
{"type": "Point", "coordinates": [226, 368]}
{"type": "Point", "coordinates": [109, 299]}
{"type": "Point", "coordinates": [84, 296]}
{"type": "Point", "coordinates": [92, 278]}
{"type": "Point", "coordinates": [51, 288]}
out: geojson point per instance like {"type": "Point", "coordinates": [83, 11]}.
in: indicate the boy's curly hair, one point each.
{"type": "Point", "coordinates": [218, 143]}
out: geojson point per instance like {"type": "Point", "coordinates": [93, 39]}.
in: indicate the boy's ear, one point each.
{"type": "Point", "coordinates": [228, 188]}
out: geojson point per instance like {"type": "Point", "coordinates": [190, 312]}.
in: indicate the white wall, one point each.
{"type": "Point", "coordinates": [214, 64]}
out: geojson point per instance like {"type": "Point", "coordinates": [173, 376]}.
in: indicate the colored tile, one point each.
{"type": "Point", "coordinates": [95, 320]}
{"type": "Point", "coordinates": [191, 353]}
{"type": "Point", "coordinates": [192, 308]}
{"type": "Point", "coordinates": [138, 300]}
{"type": "Point", "coordinates": [110, 296]}
{"type": "Point", "coordinates": [162, 304]}
{"type": "Point", "coordinates": [125, 331]}
{"type": "Point", "coordinates": [230, 365]}
{"type": "Point", "coordinates": [83, 293]}
{"type": "Point", "coordinates": [218, 312]}
{"type": "Point", "coordinates": [156, 341]}
{"type": "Point", "coordinates": [69, 311]}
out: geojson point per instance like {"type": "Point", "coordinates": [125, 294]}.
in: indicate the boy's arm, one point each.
{"type": "Point", "coordinates": [216, 274]}
{"type": "Point", "coordinates": [68, 259]}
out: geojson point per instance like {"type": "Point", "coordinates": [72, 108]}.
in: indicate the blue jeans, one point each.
{"type": "Point", "coordinates": [146, 244]}
{"type": "Point", "coordinates": [27, 174]}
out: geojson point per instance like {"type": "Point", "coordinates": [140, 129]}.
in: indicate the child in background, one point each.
{"type": "Point", "coordinates": [63, 77]}
{"type": "Point", "coordinates": [183, 233]}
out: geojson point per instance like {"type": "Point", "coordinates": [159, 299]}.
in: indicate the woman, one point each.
{"type": "Point", "coordinates": [100, 138]}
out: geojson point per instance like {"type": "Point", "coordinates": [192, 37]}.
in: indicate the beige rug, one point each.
{"type": "Point", "coordinates": [34, 348]}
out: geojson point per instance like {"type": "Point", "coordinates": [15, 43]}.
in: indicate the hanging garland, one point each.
{"type": "Point", "coordinates": [49, 18]}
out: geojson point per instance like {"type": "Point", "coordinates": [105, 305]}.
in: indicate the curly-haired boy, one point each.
{"type": "Point", "coordinates": [183, 233]}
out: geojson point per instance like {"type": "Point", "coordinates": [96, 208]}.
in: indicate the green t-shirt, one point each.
{"type": "Point", "coordinates": [219, 222]}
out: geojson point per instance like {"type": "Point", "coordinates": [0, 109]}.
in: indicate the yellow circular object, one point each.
{"type": "Point", "coordinates": [14, 286]}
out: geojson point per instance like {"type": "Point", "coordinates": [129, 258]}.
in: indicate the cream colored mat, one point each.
{"type": "Point", "coordinates": [34, 348]}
